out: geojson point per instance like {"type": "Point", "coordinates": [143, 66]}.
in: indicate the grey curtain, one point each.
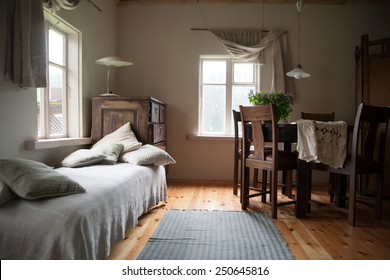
{"type": "Point", "coordinates": [25, 48]}
{"type": "Point", "coordinates": [248, 45]}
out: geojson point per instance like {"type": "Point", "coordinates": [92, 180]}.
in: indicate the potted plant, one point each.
{"type": "Point", "coordinates": [283, 102]}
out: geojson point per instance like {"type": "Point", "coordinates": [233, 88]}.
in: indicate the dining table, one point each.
{"type": "Point", "coordinates": [288, 136]}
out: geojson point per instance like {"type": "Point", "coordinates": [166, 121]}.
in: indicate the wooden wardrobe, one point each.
{"type": "Point", "coordinates": [373, 88]}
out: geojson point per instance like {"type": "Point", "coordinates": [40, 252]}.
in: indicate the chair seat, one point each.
{"type": "Point", "coordinates": [287, 160]}
{"type": "Point", "coordinates": [363, 166]}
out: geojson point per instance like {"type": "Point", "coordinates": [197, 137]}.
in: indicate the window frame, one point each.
{"type": "Point", "coordinates": [72, 114]}
{"type": "Point", "coordinates": [44, 93]}
{"type": "Point", "coordinates": [229, 131]}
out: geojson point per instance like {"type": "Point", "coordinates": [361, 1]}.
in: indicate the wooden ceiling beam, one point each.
{"type": "Point", "coordinates": [330, 2]}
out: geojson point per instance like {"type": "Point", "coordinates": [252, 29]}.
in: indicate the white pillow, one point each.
{"type": "Point", "coordinates": [111, 152]}
{"type": "Point", "coordinates": [147, 155]}
{"type": "Point", "coordinates": [83, 157]}
{"type": "Point", "coordinates": [123, 135]}
{"type": "Point", "coordinates": [6, 194]}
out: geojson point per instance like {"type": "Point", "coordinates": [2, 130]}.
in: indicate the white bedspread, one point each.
{"type": "Point", "coordinates": [81, 226]}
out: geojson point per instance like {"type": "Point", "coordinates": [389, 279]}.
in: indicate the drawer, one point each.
{"type": "Point", "coordinates": [154, 112]}
{"type": "Point", "coordinates": [157, 133]}
{"type": "Point", "coordinates": [162, 114]}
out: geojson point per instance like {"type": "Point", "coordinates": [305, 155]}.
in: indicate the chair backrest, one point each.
{"type": "Point", "coordinates": [323, 117]}
{"type": "Point", "coordinates": [370, 127]}
{"type": "Point", "coordinates": [252, 119]}
{"type": "Point", "coordinates": [237, 139]}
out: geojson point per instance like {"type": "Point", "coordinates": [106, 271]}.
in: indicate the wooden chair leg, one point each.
{"type": "Point", "coordinates": [245, 189]}
{"type": "Point", "coordinates": [289, 183]}
{"type": "Point", "coordinates": [352, 200]}
{"type": "Point", "coordinates": [331, 186]}
{"type": "Point", "coordinates": [264, 187]}
{"type": "Point", "coordinates": [237, 169]}
{"type": "Point", "coordinates": [274, 188]}
{"type": "Point", "coordinates": [255, 178]}
{"type": "Point", "coordinates": [378, 197]}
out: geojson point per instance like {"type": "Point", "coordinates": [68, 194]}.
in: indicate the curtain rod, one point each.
{"type": "Point", "coordinates": [206, 29]}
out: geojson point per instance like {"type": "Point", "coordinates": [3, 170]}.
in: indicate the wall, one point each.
{"type": "Point", "coordinates": [18, 106]}
{"type": "Point", "coordinates": [165, 52]}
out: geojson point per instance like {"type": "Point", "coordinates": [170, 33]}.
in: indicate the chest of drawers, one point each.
{"type": "Point", "coordinates": [146, 115]}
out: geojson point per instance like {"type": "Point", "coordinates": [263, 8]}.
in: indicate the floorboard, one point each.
{"type": "Point", "coordinates": [323, 235]}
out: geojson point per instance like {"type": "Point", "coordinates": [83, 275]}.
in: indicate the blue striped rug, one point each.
{"type": "Point", "coordinates": [216, 235]}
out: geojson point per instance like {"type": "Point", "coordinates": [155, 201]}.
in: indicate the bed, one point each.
{"type": "Point", "coordinates": [105, 189]}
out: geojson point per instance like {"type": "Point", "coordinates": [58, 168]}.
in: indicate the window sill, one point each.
{"type": "Point", "coordinates": [55, 143]}
{"type": "Point", "coordinates": [223, 138]}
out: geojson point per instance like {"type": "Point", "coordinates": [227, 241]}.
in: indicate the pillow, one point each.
{"type": "Point", "coordinates": [146, 155]}
{"type": "Point", "coordinates": [5, 194]}
{"type": "Point", "coordinates": [32, 180]}
{"type": "Point", "coordinates": [83, 157]}
{"type": "Point", "coordinates": [110, 151]}
{"type": "Point", "coordinates": [123, 135]}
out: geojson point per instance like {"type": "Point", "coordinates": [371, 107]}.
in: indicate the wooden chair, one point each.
{"type": "Point", "coordinates": [323, 117]}
{"type": "Point", "coordinates": [237, 175]}
{"type": "Point", "coordinates": [237, 152]}
{"type": "Point", "coordinates": [252, 119]}
{"type": "Point", "coordinates": [367, 154]}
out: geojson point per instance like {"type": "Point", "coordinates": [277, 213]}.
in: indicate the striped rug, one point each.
{"type": "Point", "coordinates": [216, 235]}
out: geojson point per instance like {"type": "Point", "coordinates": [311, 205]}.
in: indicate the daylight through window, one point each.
{"type": "Point", "coordinates": [224, 85]}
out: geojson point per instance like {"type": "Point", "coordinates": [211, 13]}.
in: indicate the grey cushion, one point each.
{"type": "Point", "coordinates": [111, 152]}
{"type": "Point", "coordinates": [6, 194]}
{"type": "Point", "coordinates": [32, 180]}
{"type": "Point", "coordinates": [83, 157]}
{"type": "Point", "coordinates": [147, 155]}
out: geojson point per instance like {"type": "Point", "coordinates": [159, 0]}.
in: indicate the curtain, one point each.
{"type": "Point", "coordinates": [25, 47]}
{"type": "Point", "coordinates": [248, 45]}
{"type": "Point", "coordinates": [55, 5]}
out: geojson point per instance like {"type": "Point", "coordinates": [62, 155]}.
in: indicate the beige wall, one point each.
{"type": "Point", "coordinates": [166, 53]}
{"type": "Point", "coordinates": [18, 106]}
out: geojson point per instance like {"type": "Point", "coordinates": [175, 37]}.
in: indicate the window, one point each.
{"type": "Point", "coordinates": [59, 104]}
{"type": "Point", "coordinates": [224, 85]}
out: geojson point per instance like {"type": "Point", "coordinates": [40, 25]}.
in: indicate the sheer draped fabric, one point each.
{"type": "Point", "coordinates": [248, 45]}
{"type": "Point", "coordinates": [55, 5]}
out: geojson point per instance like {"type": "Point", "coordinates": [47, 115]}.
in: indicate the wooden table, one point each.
{"type": "Point", "coordinates": [288, 135]}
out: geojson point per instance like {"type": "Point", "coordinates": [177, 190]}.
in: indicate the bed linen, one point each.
{"type": "Point", "coordinates": [85, 225]}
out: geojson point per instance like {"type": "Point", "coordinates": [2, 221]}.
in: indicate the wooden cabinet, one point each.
{"type": "Point", "coordinates": [146, 115]}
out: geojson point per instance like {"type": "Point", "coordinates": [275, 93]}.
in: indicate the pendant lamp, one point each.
{"type": "Point", "coordinates": [298, 72]}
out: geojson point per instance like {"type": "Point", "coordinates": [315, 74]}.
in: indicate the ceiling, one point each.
{"type": "Point", "coordinates": [333, 2]}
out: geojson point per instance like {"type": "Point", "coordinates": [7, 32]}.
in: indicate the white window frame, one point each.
{"type": "Point", "coordinates": [74, 136]}
{"type": "Point", "coordinates": [229, 91]}
{"type": "Point", "coordinates": [72, 105]}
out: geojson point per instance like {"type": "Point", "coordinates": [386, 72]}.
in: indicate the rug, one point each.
{"type": "Point", "coordinates": [216, 235]}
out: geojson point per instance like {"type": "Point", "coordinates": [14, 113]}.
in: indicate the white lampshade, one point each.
{"type": "Point", "coordinates": [112, 61]}
{"type": "Point", "coordinates": [298, 73]}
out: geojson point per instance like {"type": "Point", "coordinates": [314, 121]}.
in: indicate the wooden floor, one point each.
{"type": "Point", "coordinates": [323, 235]}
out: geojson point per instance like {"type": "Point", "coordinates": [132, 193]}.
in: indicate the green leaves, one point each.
{"type": "Point", "coordinates": [283, 102]}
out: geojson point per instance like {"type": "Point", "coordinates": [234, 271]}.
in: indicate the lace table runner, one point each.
{"type": "Point", "coordinates": [324, 142]}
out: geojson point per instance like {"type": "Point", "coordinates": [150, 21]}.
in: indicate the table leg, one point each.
{"type": "Point", "coordinates": [302, 189]}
